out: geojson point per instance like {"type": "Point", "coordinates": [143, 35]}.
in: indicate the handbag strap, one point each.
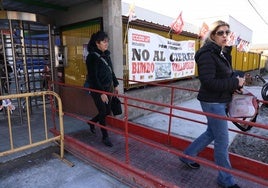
{"type": "Point", "coordinates": [103, 60]}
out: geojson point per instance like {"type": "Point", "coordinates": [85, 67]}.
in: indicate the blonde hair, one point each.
{"type": "Point", "coordinates": [212, 30]}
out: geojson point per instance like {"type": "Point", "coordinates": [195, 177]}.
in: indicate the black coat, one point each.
{"type": "Point", "coordinates": [100, 76]}
{"type": "Point", "coordinates": [215, 74]}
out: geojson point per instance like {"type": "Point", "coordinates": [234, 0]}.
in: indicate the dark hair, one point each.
{"type": "Point", "coordinates": [96, 37]}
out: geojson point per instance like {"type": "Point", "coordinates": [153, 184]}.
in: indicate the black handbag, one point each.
{"type": "Point", "coordinates": [116, 106]}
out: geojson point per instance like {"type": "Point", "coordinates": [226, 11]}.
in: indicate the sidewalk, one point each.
{"type": "Point", "coordinates": [43, 170]}
{"type": "Point", "coordinates": [38, 167]}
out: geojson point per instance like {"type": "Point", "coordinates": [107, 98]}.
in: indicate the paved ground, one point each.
{"type": "Point", "coordinates": [44, 170]}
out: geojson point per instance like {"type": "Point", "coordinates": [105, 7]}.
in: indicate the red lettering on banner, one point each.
{"type": "Point", "coordinates": [182, 66]}
{"type": "Point", "coordinates": [142, 67]}
{"type": "Point", "coordinates": [140, 38]}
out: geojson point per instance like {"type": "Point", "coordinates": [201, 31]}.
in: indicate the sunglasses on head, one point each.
{"type": "Point", "coordinates": [221, 33]}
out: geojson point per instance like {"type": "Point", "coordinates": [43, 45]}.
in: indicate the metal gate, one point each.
{"type": "Point", "coordinates": [35, 130]}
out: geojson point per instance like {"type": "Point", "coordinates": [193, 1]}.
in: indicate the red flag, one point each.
{"type": "Point", "coordinates": [203, 31]}
{"type": "Point", "coordinates": [232, 39]}
{"type": "Point", "coordinates": [242, 46]}
{"type": "Point", "coordinates": [177, 24]}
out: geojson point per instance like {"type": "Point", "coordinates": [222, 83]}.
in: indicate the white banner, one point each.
{"type": "Point", "coordinates": [152, 57]}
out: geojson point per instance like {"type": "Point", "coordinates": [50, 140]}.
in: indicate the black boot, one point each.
{"type": "Point", "coordinates": [106, 141]}
{"type": "Point", "coordinates": [92, 128]}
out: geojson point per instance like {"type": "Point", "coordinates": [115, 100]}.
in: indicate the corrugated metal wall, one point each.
{"type": "Point", "coordinates": [245, 61]}
{"type": "Point", "coordinates": [264, 62]}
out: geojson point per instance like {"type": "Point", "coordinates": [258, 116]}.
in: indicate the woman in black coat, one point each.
{"type": "Point", "coordinates": [101, 77]}
{"type": "Point", "coordinates": [218, 83]}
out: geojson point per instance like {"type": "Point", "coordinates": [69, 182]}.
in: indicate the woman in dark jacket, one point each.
{"type": "Point", "coordinates": [101, 77]}
{"type": "Point", "coordinates": [218, 83]}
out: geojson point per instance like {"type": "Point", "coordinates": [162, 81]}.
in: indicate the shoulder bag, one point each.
{"type": "Point", "coordinates": [244, 107]}
{"type": "Point", "coordinates": [116, 106]}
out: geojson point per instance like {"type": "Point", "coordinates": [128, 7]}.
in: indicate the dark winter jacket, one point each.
{"type": "Point", "coordinates": [100, 76]}
{"type": "Point", "coordinates": [218, 82]}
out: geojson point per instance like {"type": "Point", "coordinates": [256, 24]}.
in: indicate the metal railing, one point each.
{"type": "Point", "coordinates": [31, 135]}
{"type": "Point", "coordinates": [164, 140]}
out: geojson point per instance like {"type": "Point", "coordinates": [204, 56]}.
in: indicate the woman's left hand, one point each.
{"type": "Point", "coordinates": [116, 90]}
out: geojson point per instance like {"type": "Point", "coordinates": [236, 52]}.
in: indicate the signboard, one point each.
{"type": "Point", "coordinates": [152, 57]}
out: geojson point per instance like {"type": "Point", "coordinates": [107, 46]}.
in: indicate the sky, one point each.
{"type": "Point", "coordinates": [196, 12]}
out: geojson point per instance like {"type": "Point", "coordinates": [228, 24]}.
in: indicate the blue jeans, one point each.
{"type": "Point", "coordinates": [217, 131]}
